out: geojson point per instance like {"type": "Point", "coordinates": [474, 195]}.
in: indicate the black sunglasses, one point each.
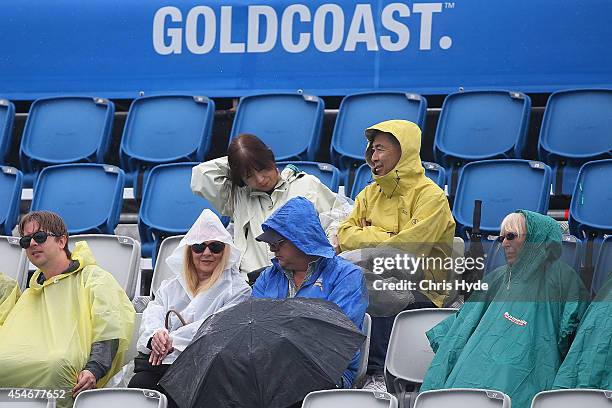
{"type": "Point", "coordinates": [39, 236]}
{"type": "Point", "coordinates": [215, 247]}
{"type": "Point", "coordinates": [508, 235]}
{"type": "Point", "coordinates": [274, 246]}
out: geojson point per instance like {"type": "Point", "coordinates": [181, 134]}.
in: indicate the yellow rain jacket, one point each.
{"type": "Point", "coordinates": [9, 293]}
{"type": "Point", "coordinates": [46, 339]}
{"type": "Point", "coordinates": [405, 209]}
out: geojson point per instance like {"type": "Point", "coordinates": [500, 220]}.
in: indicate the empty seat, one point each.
{"type": "Point", "coordinates": [118, 255]}
{"type": "Point", "coordinates": [326, 173]}
{"type": "Point", "coordinates": [364, 352]}
{"type": "Point", "coordinates": [7, 116]}
{"type": "Point", "coordinates": [571, 251]}
{"type": "Point", "coordinates": [590, 206]}
{"type": "Point", "coordinates": [577, 128]}
{"type": "Point", "coordinates": [14, 260]}
{"type": "Point", "coordinates": [168, 207]}
{"type": "Point", "coordinates": [166, 129]}
{"type": "Point", "coordinates": [349, 399]}
{"type": "Point", "coordinates": [28, 398]}
{"type": "Point", "coordinates": [462, 398]}
{"type": "Point", "coordinates": [290, 124]}
{"type": "Point", "coordinates": [10, 198]}
{"type": "Point", "coordinates": [87, 196]}
{"type": "Point", "coordinates": [481, 125]}
{"type": "Point", "coordinates": [360, 111]}
{"type": "Point", "coordinates": [120, 397]}
{"type": "Point", "coordinates": [503, 186]}
{"type": "Point", "coordinates": [65, 130]}
{"type": "Point", "coordinates": [573, 399]}
{"type": "Point", "coordinates": [603, 266]}
{"type": "Point", "coordinates": [363, 176]}
{"type": "Point", "coordinates": [409, 353]}
{"type": "Point", "coordinates": [161, 270]}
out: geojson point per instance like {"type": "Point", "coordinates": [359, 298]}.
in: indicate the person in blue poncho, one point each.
{"type": "Point", "coordinates": [306, 265]}
{"type": "Point", "coordinates": [513, 337]}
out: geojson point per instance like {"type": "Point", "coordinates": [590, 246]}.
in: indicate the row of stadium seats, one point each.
{"type": "Point", "coordinates": [474, 125]}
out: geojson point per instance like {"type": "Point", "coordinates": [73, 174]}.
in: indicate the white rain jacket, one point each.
{"type": "Point", "coordinates": [229, 290]}
{"type": "Point", "coordinates": [250, 208]}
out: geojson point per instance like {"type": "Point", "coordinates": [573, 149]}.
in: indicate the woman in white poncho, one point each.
{"type": "Point", "coordinates": [207, 280]}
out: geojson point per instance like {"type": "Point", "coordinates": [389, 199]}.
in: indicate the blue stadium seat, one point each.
{"type": "Point", "coordinates": [577, 128]}
{"type": "Point", "coordinates": [10, 198]}
{"type": "Point", "coordinates": [363, 176]}
{"type": "Point", "coordinates": [87, 196]}
{"type": "Point", "coordinates": [166, 129]}
{"type": "Point", "coordinates": [169, 207]}
{"type": "Point", "coordinates": [481, 125]}
{"type": "Point", "coordinates": [503, 186]}
{"type": "Point", "coordinates": [362, 110]}
{"type": "Point", "coordinates": [590, 207]}
{"type": "Point", "coordinates": [290, 124]}
{"type": "Point", "coordinates": [65, 130]}
{"type": "Point", "coordinates": [7, 115]}
{"type": "Point", "coordinates": [603, 266]}
{"type": "Point", "coordinates": [326, 173]}
{"type": "Point", "coordinates": [571, 253]}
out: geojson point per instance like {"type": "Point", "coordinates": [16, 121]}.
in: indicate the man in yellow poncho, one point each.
{"type": "Point", "coordinates": [9, 293]}
{"type": "Point", "coordinates": [67, 332]}
{"type": "Point", "coordinates": [403, 209]}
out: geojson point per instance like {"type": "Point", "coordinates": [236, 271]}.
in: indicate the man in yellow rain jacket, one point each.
{"type": "Point", "coordinates": [69, 330]}
{"type": "Point", "coordinates": [403, 209]}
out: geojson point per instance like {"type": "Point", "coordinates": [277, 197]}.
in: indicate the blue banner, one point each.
{"type": "Point", "coordinates": [121, 48]}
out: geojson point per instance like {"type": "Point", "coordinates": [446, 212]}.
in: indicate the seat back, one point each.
{"type": "Point", "coordinates": [503, 186]}
{"type": "Point", "coordinates": [409, 353]}
{"type": "Point", "coordinates": [326, 173]}
{"type": "Point", "coordinates": [436, 173]}
{"type": "Point", "coordinates": [165, 129]}
{"type": "Point", "coordinates": [169, 207]}
{"type": "Point", "coordinates": [10, 197]}
{"type": "Point", "coordinates": [360, 111]}
{"type": "Point", "coordinates": [572, 399]}
{"type": "Point", "coordinates": [462, 398]}
{"type": "Point", "coordinates": [14, 260]}
{"type": "Point", "coordinates": [162, 271]}
{"type": "Point", "coordinates": [115, 254]}
{"type": "Point", "coordinates": [480, 125]}
{"type": "Point", "coordinates": [27, 398]}
{"type": "Point", "coordinates": [590, 209]}
{"type": "Point", "coordinates": [576, 128]}
{"type": "Point", "coordinates": [7, 116]}
{"type": "Point", "coordinates": [87, 196]}
{"type": "Point", "coordinates": [603, 267]}
{"type": "Point", "coordinates": [65, 130]}
{"type": "Point", "coordinates": [290, 124]}
{"type": "Point", "coordinates": [349, 399]}
{"type": "Point", "coordinates": [120, 397]}
{"type": "Point", "coordinates": [364, 351]}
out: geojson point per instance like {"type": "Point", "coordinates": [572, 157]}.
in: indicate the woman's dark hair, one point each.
{"type": "Point", "coordinates": [246, 154]}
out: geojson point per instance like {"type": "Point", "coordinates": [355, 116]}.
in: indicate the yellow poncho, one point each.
{"type": "Point", "coordinates": [46, 338]}
{"type": "Point", "coordinates": [9, 293]}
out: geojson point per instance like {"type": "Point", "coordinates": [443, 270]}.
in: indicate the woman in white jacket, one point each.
{"type": "Point", "coordinates": [207, 280]}
{"type": "Point", "coordinates": [247, 186]}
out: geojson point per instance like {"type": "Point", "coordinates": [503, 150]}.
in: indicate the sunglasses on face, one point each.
{"type": "Point", "coordinates": [274, 246]}
{"type": "Point", "coordinates": [508, 235]}
{"type": "Point", "coordinates": [215, 247]}
{"type": "Point", "coordinates": [39, 236]}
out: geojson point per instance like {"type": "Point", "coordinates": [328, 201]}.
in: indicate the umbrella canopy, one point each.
{"type": "Point", "coordinates": [264, 353]}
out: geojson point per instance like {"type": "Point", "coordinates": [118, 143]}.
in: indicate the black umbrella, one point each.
{"type": "Point", "coordinates": [264, 353]}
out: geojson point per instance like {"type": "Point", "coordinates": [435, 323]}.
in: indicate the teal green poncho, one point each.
{"type": "Point", "coordinates": [513, 337]}
{"type": "Point", "coordinates": [589, 361]}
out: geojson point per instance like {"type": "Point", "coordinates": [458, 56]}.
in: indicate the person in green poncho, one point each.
{"type": "Point", "coordinates": [589, 361]}
{"type": "Point", "coordinates": [514, 336]}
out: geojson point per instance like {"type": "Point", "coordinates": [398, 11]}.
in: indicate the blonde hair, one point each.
{"type": "Point", "coordinates": [514, 222]}
{"type": "Point", "coordinates": [190, 275]}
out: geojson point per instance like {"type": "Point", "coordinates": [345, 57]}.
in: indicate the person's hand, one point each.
{"type": "Point", "coordinates": [85, 381]}
{"type": "Point", "coordinates": [364, 223]}
{"type": "Point", "coordinates": [161, 342]}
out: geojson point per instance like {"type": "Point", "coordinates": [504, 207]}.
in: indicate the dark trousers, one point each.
{"type": "Point", "coordinates": [149, 380]}
{"type": "Point", "coordinates": [381, 331]}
